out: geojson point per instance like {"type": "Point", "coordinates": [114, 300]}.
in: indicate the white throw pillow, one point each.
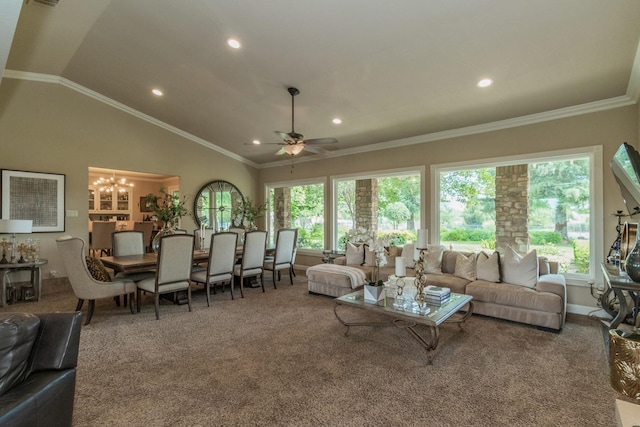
{"type": "Point", "coordinates": [520, 270]}
{"type": "Point", "coordinates": [465, 266]}
{"type": "Point", "coordinates": [433, 260]}
{"type": "Point", "coordinates": [354, 254]}
{"type": "Point", "coordinates": [488, 267]}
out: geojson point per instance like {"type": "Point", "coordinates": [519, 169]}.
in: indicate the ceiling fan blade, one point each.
{"type": "Point", "coordinates": [321, 141]}
{"type": "Point", "coordinates": [315, 149]}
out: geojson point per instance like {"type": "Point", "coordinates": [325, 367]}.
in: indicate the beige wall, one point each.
{"type": "Point", "coordinates": [607, 128]}
{"type": "Point", "coordinates": [46, 127]}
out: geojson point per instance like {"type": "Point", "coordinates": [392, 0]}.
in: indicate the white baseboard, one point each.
{"type": "Point", "coordinates": [586, 310]}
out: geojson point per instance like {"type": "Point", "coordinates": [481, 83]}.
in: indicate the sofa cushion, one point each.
{"type": "Point", "coordinates": [354, 254]}
{"type": "Point", "coordinates": [515, 296]}
{"type": "Point", "coordinates": [488, 267]}
{"type": "Point", "coordinates": [456, 284]}
{"type": "Point", "coordinates": [18, 332]}
{"type": "Point", "coordinates": [433, 260]}
{"type": "Point", "coordinates": [465, 266]}
{"type": "Point", "coordinates": [408, 253]}
{"type": "Point", "coordinates": [520, 270]}
{"type": "Point", "coordinates": [97, 270]}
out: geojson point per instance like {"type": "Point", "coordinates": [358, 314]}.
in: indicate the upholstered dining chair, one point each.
{"type": "Point", "coordinates": [222, 258]}
{"type": "Point", "coordinates": [255, 245]}
{"type": "Point", "coordinates": [101, 236]}
{"type": "Point", "coordinates": [173, 269]}
{"type": "Point", "coordinates": [283, 257]}
{"type": "Point", "coordinates": [84, 286]}
{"type": "Point", "coordinates": [147, 228]}
{"type": "Point", "coordinates": [125, 243]}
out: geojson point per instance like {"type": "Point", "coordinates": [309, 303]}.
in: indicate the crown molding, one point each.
{"type": "Point", "coordinates": [577, 110]}
{"type": "Point", "coordinates": [47, 78]}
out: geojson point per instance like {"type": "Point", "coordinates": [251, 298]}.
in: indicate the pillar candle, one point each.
{"type": "Point", "coordinates": [400, 268]}
{"type": "Point", "coordinates": [422, 239]}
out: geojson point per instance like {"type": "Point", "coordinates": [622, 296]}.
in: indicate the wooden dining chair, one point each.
{"type": "Point", "coordinates": [255, 245]}
{"type": "Point", "coordinates": [283, 257]}
{"type": "Point", "coordinates": [222, 258]}
{"type": "Point", "coordinates": [147, 228]}
{"type": "Point", "coordinates": [84, 286]}
{"type": "Point", "coordinates": [173, 269]}
{"type": "Point", "coordinates": [101, 237]}
{"type": "Point", "coordinates": [125, 243]}
{"type": "Point", "coordinates": [239, 231]}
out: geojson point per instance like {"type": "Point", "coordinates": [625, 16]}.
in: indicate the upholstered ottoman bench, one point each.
{"type": "Point", "coordinates": [334, 280]}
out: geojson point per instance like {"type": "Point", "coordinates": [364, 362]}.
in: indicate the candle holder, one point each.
{"type": "Point", "coordinates": [420, 300]}
{"type": "Point", "coordinates": [400, 300]}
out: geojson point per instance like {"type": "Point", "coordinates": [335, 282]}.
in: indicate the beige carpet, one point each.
{"type": "Point", "coordinates": [281, 358]}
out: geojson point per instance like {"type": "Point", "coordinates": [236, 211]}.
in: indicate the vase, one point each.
{"type": "Point", "coordinates": [632, 264]}
{"type": "Point", "coordinates": [165, 231]}
{"type": "Point", "coordinates": [373, 294]}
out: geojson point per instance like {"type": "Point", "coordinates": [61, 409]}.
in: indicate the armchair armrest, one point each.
{"type": "Point", "coordinates": [56, 345]}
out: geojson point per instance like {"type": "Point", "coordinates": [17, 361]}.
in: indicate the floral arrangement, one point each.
{"type": "Point", "coordinates": [167, 207]}
{"type": "Point", "coordinates": [361, 235]}
{"type": "Point", "coordinates": [377, 247]}
{"type": "Point", "coordinates": [250, 211]}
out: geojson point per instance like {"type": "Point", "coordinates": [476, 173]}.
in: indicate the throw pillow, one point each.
{"type": "Point", "coordinates": [97, 269]}
{"type": "Point", "coordinates": [543, 265]}
{"type": "Point", "coordinates": [488, 267]}
{"type": "Point", "coordinates": [433, 260]}
{"type": "Point", "coordinates": [354, 254]}
{"type": "Point", "coordinates": [465, 266]}
{"type": "Point", "coordinates": [520, 270]}
{"type": "Point", "coordinates": [407, 254]}
{"type": "Point", "coordinates": [369, 256]}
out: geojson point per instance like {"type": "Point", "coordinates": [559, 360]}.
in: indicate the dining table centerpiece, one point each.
{"type": "Point", "coordinates": [168, 208]}
{"type": "Point", "coordinates": [251, 212]}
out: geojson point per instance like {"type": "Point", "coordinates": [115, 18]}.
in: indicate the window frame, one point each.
{"type": "Point", "coordinates": [295, 183]}
{"type": "Point", "coordinates": [387, 173]}
{"type": "Point", "coordinates": [596, 232]}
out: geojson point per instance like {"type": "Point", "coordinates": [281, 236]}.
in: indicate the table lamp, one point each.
{"type": "Point", "coordinates": [624, 362]}
{"type": "Point", "coordinates": [13, 226]}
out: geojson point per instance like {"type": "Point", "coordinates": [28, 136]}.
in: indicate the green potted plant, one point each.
{"type": "Point", "coordinates": [168, 208]}
{"type": "Point", "coordinates": [251, 212]}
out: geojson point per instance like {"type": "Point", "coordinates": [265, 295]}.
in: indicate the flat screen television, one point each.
{"type": "Point", "coordinates": [625, 166]}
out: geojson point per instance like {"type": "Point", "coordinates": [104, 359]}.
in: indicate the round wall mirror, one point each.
{"type": "Point", "coordinates": [219, 205]}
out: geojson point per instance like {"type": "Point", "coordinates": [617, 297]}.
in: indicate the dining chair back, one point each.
{"type": "Point", "coordinates": [84, 286]}
{"type": "Point", "coordinates": [147, 228]}
{"type": "Point", "coordinates": [173, 269]}
{"type": "Point", "coordinates": [126, 243]}
{"type": "Point", "coordinates": [253, 250]}
{"type": "Point", "coordinates": [283, 257]}
{"type": "Point", "coordinates": [101, 236]}
{"type": "Point", "coordinates": [222, 258]}
{"type": "Point", "coordinates": [208, 232]}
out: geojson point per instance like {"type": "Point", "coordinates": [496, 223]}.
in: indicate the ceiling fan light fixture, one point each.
{"type": "Point", "coordinates": [293, 149]}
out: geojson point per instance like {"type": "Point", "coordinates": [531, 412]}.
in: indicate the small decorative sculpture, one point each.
{"type": "Point", "coordinates": [5, 245]}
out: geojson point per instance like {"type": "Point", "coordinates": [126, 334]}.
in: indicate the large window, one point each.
{"type": "Point", "coordinates": [543, 202]}
{"type": "Point", "coordinates": [298, 206]}
{"type": "Point", "coordinates": [388, 203]}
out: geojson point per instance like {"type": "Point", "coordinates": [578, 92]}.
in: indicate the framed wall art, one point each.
{"type": "Point", "coordinates": [35, 196]}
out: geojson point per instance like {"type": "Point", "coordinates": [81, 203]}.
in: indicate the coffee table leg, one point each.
{"type": "Point", "coordinates": [347, 324]}
{"type": "Point", "coordinates": [430, 344]}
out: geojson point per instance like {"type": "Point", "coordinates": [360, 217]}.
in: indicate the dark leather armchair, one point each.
{"type": "Point", "coordinates": [38, 358]}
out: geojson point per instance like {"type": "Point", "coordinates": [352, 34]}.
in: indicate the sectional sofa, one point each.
{"type": "Point", "coordinates": [526, 289]}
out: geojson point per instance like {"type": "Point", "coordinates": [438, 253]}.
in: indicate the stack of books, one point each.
{"type": "Point", "coordinates": [437, 295]}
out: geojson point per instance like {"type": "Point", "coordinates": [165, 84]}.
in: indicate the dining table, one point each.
{"type": "Point", "coordinates": [141, 262]}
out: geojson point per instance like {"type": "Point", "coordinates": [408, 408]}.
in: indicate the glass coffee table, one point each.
{"type": "Point", "coordinates": [408, 320]}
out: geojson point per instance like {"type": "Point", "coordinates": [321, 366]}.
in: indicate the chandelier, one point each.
{"type": "Point", "coordinates": [111, 184]}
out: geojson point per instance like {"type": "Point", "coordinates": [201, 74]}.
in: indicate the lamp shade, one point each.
{"type": "Point", "coordinates": [624, 362]}
{"type": "Point", "coordinates": [12, 226]}
{"type": "Point", "coordinates": [293, 149]}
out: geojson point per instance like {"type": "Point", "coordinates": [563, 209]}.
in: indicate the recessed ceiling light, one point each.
{"type": "Point", "coordinates": [485, 83]}
{"type": "Point", "coordinates": [157, 92]}
{"type": "Point", "coordinates": [234, 43]}
{"type": "Point", "coordinates": [336, 121]}
{"type": "Point", "coordinates": [255, 141]}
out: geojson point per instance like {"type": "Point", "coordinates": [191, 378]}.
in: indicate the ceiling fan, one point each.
{"type": "Point", "coordinates": [294, 142]}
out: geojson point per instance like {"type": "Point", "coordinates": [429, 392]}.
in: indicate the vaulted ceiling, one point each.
{"type": "Point", "coordinates": [394, 72]}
